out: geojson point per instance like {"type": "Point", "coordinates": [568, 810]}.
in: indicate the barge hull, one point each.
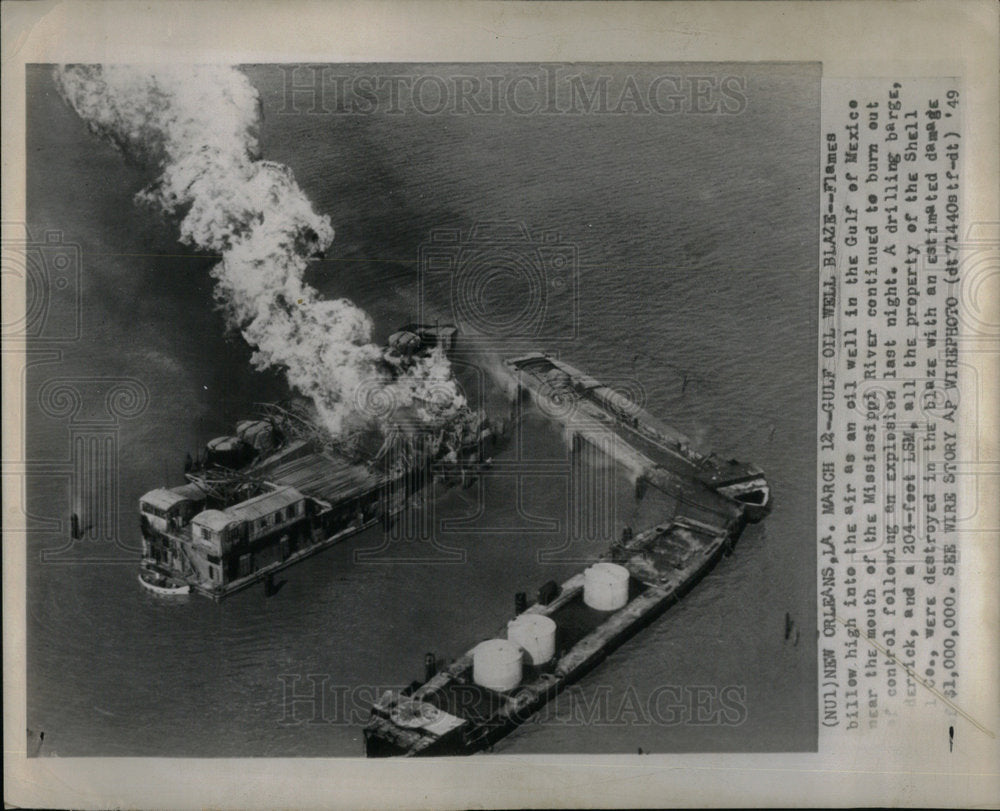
{"type": "Point", "coordinates": [650, 450]}
{"type": "Point", "coordinates": [384, 737]}
{"type": "Point", "coordinates": [263, 573]}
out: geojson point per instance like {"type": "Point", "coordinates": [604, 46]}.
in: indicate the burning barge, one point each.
{"type": "Point", "coordinates": [274, 494]}
{"type": "Point", "coordinates": [498, 684]}
{"type": "Point", "coordinates": [279, 491]}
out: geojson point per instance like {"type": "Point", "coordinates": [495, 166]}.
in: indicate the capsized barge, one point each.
{"type": "Point", "coordinates": [654, 452]}
{"type": "Point", "coordinates": [478, 699]}
{"type": "Point", "coordinates": [280, 490]}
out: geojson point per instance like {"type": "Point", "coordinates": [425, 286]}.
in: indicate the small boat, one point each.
{"type": "Point", "coordinates": [162, 584]}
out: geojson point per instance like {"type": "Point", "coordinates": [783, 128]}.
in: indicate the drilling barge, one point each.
{"type": "Point", "coordinates": [279, 490]}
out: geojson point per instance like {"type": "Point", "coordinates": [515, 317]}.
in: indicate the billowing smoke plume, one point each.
{"type": "Point", "coordinates": [199, 124]}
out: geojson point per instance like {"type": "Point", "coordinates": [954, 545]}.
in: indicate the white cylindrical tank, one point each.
{"type": "Point", "coordinates": [496, 664]}
{"type": "Point", "coordinates": [605, 586]}
{"type": "Point", "coordinates": [535, 633]}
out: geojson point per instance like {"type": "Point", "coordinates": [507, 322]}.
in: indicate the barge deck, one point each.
{"type": "Point", "coordinates": [318, 500]}
{"type": "Point", "coordinates": [653, 451]}
{"type": "Point", "coordinates": [451, 714]}
{"type": "Point", "coordinates": [281, 489]}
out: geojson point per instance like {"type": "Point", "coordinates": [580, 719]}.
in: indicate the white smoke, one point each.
{"type": "Point", "coordinates": [199, 123]}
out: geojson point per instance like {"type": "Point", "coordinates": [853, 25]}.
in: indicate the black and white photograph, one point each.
{"type": "Point", "coordinates": [500, 404]}
{"type": "Point", "coordinates": [402, 400]}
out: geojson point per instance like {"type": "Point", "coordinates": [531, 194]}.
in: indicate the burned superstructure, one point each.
{"type": "Point", "coordinates": [281, 488]}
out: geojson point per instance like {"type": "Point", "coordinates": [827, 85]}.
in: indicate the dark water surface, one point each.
{"type": "Point", "coordinates": [696, 238]}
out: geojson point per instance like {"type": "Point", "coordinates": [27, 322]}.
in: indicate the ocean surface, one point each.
{"type": "Point", "coordinates": [696, 284]}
